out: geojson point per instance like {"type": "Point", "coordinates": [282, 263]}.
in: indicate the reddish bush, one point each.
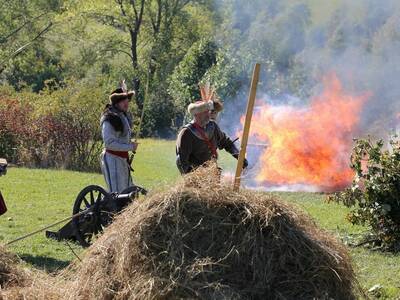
{"type": "Point", "coordinates": [14, 120]}
{"type": "Point", "coordinates": [67, 139]}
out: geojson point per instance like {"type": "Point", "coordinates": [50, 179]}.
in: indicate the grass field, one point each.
{"type": "Point", "coordinates": [39, 197]}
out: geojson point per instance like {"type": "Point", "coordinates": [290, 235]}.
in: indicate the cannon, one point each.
{"type": "Point", "coordinates": [93, 210]}
{"type": "Point", "coordinates": [3, 171]}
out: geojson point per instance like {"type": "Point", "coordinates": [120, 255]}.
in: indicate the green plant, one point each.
{"type": "Point", "coordinates": [188, 74]}
{"type": "Point", "coordinates": [374, 194]}
{"type": "Point", "coordinates": [57, 129]}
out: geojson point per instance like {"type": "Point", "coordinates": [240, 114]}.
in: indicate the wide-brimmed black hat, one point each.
{"type": "Point", "coordinates": [119, 95]}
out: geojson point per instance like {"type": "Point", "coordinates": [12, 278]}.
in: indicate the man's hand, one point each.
{"type": "Point", "coordinates": [245, 162]}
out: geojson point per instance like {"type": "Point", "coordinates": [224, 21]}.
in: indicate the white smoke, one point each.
{"type": "Point", "coordinates": [358, 40]}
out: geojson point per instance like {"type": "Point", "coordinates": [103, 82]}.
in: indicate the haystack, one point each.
{"type": "Point", "coordinates": [18, 282]}
{"type": "Point", "coordinates": [10, 271]}
{"type": "Point", "coordinates": [203, 240]}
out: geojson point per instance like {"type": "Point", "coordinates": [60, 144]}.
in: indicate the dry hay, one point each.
{"type": "Point", "coordinates": [39, 288]}
{"type": "Point", "coordinates": [18, 282]}
{"type": "Point", "coordinates": [11, 272]}
{"type": "Point", "coordinates": [202, 240]}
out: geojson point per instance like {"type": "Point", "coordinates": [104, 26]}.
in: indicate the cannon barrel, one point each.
{"type": "Point", "coordinates": [128, 196]}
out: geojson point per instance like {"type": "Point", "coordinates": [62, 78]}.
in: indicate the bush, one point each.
{"type": "Point", "coordinates": [84, 140]}
{"type": "Point", "coordinates": [374, 194]}
{"type": "Point", "coordinates": [64, 137]}
{"type": "Point", "coordinates": [13, 126]}
{"type": "Point", "coordinates": [66, 140]}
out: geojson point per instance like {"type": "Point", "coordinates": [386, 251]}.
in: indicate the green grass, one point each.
{"type": "Point", "coordinates": [39, 197]}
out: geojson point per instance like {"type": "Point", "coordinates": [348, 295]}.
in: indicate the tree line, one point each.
{"type": "Point", "coordinates": [165, 48]}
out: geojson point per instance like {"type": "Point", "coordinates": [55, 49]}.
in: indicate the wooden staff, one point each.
{"type": "Point", "coordinates": [247, 123]}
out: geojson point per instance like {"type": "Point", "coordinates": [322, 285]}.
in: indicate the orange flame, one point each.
{"type": "Point", "coordinates": [309, 145]}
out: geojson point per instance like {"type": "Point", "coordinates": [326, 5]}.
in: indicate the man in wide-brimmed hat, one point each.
{"type": "Point", "coordinates": [198, 142]}
{"type": "Point", "coordinates": [116, 126]}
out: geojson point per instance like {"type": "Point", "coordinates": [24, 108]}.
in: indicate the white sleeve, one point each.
{"type": "Point", "coordinates": [111, 140]}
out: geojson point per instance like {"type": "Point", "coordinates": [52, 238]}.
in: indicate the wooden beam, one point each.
{"type": "Point", "coordinates": [247, 123]}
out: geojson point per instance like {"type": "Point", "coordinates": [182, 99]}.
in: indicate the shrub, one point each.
{"type": "Point", "coordinates": [13, 126]}
{"type": "Point", "coordinates": [374, 194]}
{"type": "Point", "coordinates": [66, 138]}
{"type": "Point", "coordinates": [83, 136]}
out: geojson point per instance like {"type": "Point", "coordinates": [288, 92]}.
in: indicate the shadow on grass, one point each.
{"type": "Point", "coordinates": [44, 263]}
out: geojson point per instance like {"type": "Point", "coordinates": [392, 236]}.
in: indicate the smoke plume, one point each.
{"type": "Point", "coordinates": [299, 43]}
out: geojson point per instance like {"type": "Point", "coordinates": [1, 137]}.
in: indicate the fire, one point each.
{"type": "Point", "coordinates": [309, 145]}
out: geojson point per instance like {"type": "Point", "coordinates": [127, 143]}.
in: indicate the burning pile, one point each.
{"type": "Point", "coordinates": [309, 146]}
{"type": "Point", "coordinates": [202, 240]}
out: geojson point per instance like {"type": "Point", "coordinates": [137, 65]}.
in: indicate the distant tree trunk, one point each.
{"type": "Point", "coordinates": [161, 22]}
{"type": "Point", "coordinates": [134, 25]}
{"type": "Point", "coordinates": [134, 59]}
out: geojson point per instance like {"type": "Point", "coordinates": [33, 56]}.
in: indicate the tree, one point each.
{"type": "Point", "coordinates": [124, 16]}
{"type": "Point", "coordinates": [162, 14]}
{"type": "Point", "coordinates": [184, 82]}
{"type": "Point", "coordinates": [36, 67]}
{"type": "Point", "coordinates": [22, 25]}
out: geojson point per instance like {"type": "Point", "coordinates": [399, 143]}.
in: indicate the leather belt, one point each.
{"type": "Point", "coordinates": [122, 154]}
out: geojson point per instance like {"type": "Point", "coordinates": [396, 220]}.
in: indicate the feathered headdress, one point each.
{"type": "Point", "coordinates": [123, 86]}
{"type": "Point", "coordinates": [121, 93]}
{"type": "Point", "coordinates": [208, 93]}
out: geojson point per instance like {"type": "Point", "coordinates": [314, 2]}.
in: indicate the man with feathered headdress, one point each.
{"type": "Point", "coordinates": [116, 127]}
{"type": "Point", "coordinates": [198, 142]}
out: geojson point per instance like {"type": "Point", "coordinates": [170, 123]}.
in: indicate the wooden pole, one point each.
{"type": "Point", "coordinates": [247, 123]}
{"type": "Point", "coordinates": [145, 100]}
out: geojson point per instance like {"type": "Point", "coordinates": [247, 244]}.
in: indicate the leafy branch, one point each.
{"type": "Point", "coordinates": [375, 191]}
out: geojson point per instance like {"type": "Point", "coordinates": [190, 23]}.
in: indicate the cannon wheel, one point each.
{"type": "Point", "coordinates": [93, 222]}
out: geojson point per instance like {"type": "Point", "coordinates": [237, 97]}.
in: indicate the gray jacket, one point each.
{"type": "Point", "coordinates": [116, 130]}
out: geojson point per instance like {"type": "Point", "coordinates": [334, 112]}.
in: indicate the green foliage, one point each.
{"type": "Point", "coordinates": [374, 194]}
{"type": "Point", "coordinates": [170, 47]}
{"type": "Point", "coordinates": [170, 39]}
{"type": "Point", "coordinates": [58, 128]}
{"type": "Point", "coordinates": [225, 76]}
{"type": "Point", "coordinates": [34, 69]}
{"type": "Point", "coordinates": [23, 25]}
{"type": "Point", "coordinates": [184, 82]}
{"type": "Point", "coordinates": [159, 115]}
